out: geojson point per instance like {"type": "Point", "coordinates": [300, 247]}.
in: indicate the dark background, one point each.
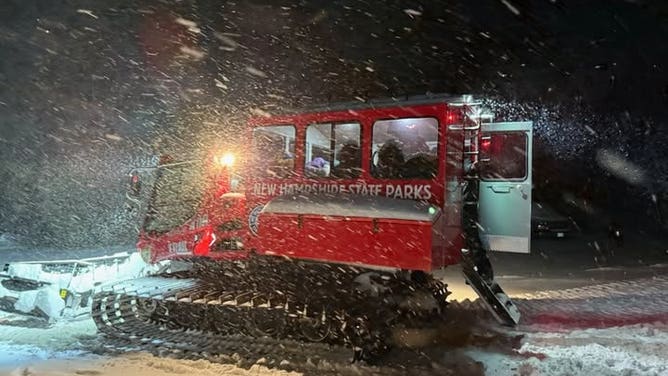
{"type": "Point", "coordinates": [90, 88]}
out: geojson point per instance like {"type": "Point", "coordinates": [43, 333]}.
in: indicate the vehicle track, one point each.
{"type": "Point", "coordinates": [188, 317]}
{"type": "Point", "coordinates": [119, 314]}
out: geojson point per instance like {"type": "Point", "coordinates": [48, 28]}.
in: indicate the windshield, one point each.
{"type": "Point", "coordinates": [176, 196]}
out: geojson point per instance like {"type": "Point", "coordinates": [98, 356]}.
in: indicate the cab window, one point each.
{"type": "Point", "coordinates": [405, 148]}
{"type": "Point", "coordinates": [273, 151]}
{"type": "Point", "coordinates": [332, 150]}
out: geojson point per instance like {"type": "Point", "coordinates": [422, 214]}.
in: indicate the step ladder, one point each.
{"type": "Point", "coordinates": [475, 265]}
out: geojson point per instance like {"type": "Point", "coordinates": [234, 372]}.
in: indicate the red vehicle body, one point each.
{"type": "Point", "coordinates": [426, 235]}
{"type": "Point", "coordinates": [393, 189]}
{"type": "Point", "coordinates": [411, 220]}
{"type": "Point", "coordinates": [333, 230]}
{"type": "Point", "coordinates": [397, 223]}
{"type": "Point", "coordinates": [213, 229]}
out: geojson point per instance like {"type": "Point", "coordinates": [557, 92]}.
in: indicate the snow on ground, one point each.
{"type": "Point", "coordinates": [631, 350]}
{"type": "Point", "coordinates": [56, 351]}
{"type": "Point", "coordinates": [640, 349]}
{"type": "Point", "coordinates": [20, 346]}
{"type": "Point", "coordinates": [132, 364]}
{"type": "Point", "coordinates": [61, 336]}
{"type": "Point", "coordinates": [11, 251]}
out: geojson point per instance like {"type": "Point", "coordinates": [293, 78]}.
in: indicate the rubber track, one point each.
{"type": "Point", "coordinates": [117, 315]}
{"type": "Point", "coordinates": [125, 329]}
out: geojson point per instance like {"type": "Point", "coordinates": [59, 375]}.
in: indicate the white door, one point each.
{"type": "Point", "coordinates": [504, 205]}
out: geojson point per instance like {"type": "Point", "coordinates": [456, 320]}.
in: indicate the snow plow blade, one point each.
{"type": "Point", "coordinates": [492, 296]}
{"type": "Point", "coordinates": [63, 289]}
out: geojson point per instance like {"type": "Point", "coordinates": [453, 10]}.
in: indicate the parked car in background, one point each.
{"type": "Point", "coordinates": [547, 222]}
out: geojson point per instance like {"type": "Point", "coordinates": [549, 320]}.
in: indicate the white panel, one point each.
{"type": "Point", "coordinates": [514, 244]}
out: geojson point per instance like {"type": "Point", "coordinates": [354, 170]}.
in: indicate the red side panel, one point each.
{"type": "Point", "coordinates": [365, 241]}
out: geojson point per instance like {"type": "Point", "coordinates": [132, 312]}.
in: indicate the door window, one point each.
{"type": "Point", "coordinates": [503, 156]}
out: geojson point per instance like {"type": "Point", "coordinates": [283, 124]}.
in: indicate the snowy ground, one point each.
{"type": "Point", "coordinates": [552, 348]}
{"type": "Point", "coordinates": [630, 350]}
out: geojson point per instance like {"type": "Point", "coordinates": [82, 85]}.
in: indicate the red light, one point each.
{"type": "Point", "coordinates": [485, 145]}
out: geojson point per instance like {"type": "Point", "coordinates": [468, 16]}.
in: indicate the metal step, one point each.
{"type": "Point", "coordinates": [493, 296]}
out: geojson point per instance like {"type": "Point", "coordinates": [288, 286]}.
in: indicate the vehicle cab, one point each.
{"type": "Point", "coordinates": [377, 185]}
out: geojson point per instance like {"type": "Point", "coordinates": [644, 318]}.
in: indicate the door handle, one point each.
{"type": "Point", "coordinates": [502, 189]}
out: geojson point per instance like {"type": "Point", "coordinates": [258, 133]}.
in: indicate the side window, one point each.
{"type": "Point", "coordinates": [503, 156]}
{"type": "Point", "coordinates": [405, 148]}
{"type": "Point", "coordinates": [273, 151]}
{"type": "Point", "coordinates": [332, 150]}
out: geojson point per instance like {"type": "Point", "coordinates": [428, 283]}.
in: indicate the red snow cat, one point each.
{"type": "Point", "coordinates": [329, 225]}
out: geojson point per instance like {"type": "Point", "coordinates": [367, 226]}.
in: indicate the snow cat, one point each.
{"type": "Point", "coordinates": [330, 228]}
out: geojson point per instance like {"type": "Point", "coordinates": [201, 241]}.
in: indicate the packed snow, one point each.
{"type": "Point", "coordinates": [639, 349]}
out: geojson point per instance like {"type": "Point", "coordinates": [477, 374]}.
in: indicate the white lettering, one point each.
{"type": "Point", "coordinates": [389, 190]}
{"type": "Point", "coordinates": [418, 191]}
{"type": "Point", "coordinates": [415, 192]}
{"type": "Point", "coordinates": [398, 193]}
{"type": "Point", "coordinates": [408, 191]}
{"type": "Point", "coordinates": [427, 191]}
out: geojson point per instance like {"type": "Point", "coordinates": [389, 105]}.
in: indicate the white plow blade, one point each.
{"type": "Point", "coordinates": [62, 289]}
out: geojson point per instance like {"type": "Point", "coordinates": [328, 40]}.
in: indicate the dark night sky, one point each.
{"type": "Point", "coordinates": [90, 88]}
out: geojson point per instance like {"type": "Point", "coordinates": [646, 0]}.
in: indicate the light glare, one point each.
{"type": "Point", "coordinates": [227, 160]}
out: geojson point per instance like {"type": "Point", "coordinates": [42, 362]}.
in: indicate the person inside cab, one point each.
{"type": "Point", "coordinates": [349, 162]}
{"type": "Point", "coordinates": [318, 167]}
{"type": "Point", "coordinates": [390, 160]}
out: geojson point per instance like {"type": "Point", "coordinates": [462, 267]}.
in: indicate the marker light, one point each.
{"type": "Point", "coordinates": [486, 144]}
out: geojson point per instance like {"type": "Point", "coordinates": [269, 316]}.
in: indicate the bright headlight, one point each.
{"type": "Point", "coordinates": [226, 160]}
